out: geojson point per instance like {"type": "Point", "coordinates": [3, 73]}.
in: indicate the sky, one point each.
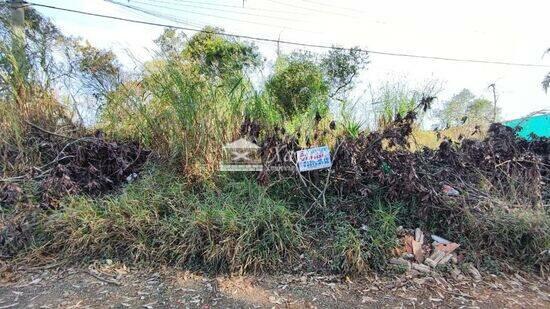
{"type": "Point", "coordinates": [496, 30]}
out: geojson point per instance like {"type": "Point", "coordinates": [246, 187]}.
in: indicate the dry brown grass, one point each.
{"type": "Point", "coordinates": [425, 138]}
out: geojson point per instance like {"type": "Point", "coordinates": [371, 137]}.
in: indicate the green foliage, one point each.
{"type": "Point", "coordinates": [480, 111]}
{"type": "Point", "coordinates": [500, 233]}
{"type": "Point", "coordinates": [465, 108]}
{"type": "Point", "coordinates": [188, 105]}
{"type": "Point", "coordinates": [349, 122]}
{"type": "Point", "coordinates": [349, 249]}
{"type": "Point", "coordinates": [263, 109]}
{"type": "Point", "coordinates": [171, 42]}
{"type": "Point", "coordinates": [232, 227]}
{"type": "Point", "coordinates": [97, 70]}
{"type": "Point", "coordinates": [29, 66]}
{"type": "Point", "coordinates": [27, 57]}
{"type": "Point", "coordinates": [182, 116]}
{"type": "Point", "coordinates": [297, 84]}
{"type": "Point", "coordinates": [396, 99]}
{"type": "Point", "coordinates": [301, 80]}
{"type": "Point", "coordinates": [381, 231]}
{"type": "Point", "coordinates": [185, 105]}
{"type": "Point", "coordinates": [220, 56]}
{"type": "Point", "coordinates": [358, 249]}
{"type": "Point", "coordinates": [352, 128]}
{"type": "Point", "coordinates": [341, 67]}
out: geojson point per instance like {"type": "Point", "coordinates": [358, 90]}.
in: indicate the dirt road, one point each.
{"type": "Point", "coordinates": [112, 285]}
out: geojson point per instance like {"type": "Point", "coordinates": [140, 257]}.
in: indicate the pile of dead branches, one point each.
{"type": "Point", "coordinates": [502, 165]}
{"type": "Point", "coordinates": [93, 167]}
{"type": "Point", "coordinates": [90, 165]}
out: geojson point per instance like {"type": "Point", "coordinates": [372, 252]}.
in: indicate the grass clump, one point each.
{"type": "Point", "coordinates": [517, 234]}
{"type": "Point", "coordinates": [503, 234]}
{"type": "Point", "coordinates": [381, 231]}
{"type": "Point", "coordinates": [361, 240]}
{"type": "Point", "coordinates": [349, 248]}
{"type": "Point", "coordinates": [233, 226]}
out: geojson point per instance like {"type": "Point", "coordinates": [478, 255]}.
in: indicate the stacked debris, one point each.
{"type": "Point", "coordinates": [417, 255]}
{"type": "Point", "coordinates": [382, 162]}
{"type": "Point", "coordinates": [92, 166]}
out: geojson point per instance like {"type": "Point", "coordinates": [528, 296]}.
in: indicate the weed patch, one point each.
{"type": "Point", "coordinates": [516, 234]}
{"type": "Point", "coordinates": [234, 227]}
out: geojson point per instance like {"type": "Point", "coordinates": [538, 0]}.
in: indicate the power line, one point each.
{"type": "Point", "coordinates": [215, 16]}
{"type": "Point", "coordinates": [181, 3]}
{"type": "Point", "coordinates": [312, 9]}
{"type": "Point", "coordinates": [214, 9]}
{"type": "Point", "coordinates": [331, 6]}
{"type": "Point", "coordinates": [164, 16]}
{"type": "Point", "coordinates": [240, 8]}
{"type": "Point", "coordinates": [293, 43]}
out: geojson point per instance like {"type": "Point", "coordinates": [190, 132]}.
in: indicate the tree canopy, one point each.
{"type": "Point", "coordinates": [296, 84]}
{"type": "Point", "coordinates": [466, 108]}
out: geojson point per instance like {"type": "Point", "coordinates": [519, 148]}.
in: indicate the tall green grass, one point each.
{"type": "Point", "coordinates": [25, 96]}
{"type": "Point", "coordinates": [180, 113]}
{"type": "Point", "coordinates": [231, 227]}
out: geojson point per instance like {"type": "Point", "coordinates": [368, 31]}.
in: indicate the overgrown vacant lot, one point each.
{"type": "Point", "coordinates": [137, 181]}
{"type": "Point", "coordinates": [234, 223]}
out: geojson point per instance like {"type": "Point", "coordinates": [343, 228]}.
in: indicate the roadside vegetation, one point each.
{"type": "Point", "coordinates": [97, 162]}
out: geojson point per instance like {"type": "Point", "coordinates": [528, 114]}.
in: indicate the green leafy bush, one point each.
{"type": "Point", "coordinates": [297, 84]}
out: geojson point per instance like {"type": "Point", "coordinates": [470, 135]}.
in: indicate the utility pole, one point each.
{"type": "Point", "coordinates": [493, 86]}
{"type": "Point", "coordinates": [17, 13]}
{"type": "Point", "coordinates": [18, 47]}
{"type": "Point", "coordinates": [18, 21]}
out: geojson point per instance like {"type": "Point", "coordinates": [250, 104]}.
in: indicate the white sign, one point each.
{"type": "Point", "coordinates": [313, 159]}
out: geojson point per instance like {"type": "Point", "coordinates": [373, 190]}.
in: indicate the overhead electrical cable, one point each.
{"type": "Point", "coordinates": [332, 6]}
{"type": "Point", "coordinates": [214, 9]}
{"type": "Point", "coordinates": [246, 8]}
{"type": "Point", "coordinates": [375, 52]}
{"type": "Point", "coordinates": [310, 9]}
{"type": "Point", "coordinates": [165, 16]}
{"type": "Point", "coordinates": [220, 17]}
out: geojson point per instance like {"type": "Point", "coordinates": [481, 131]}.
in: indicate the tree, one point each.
{"type": "Point", "coordinates": [51, 60]}
{"type": "Point", "coordinates": [341, 66]}
{"type": "Point", "coordinates": [454, 110]}
{"type": "Point", "coordinates": [33, 63]}
{"type": "Point", "coordinates": [171, 42]}
{"type": "Point", "coordinates": [465, 108]}
{"type": "Point", "coordinates": [219, 56]}
{"type": "Point", "coordinates": [97, 71]}
{"type": "Point", "coordinates": [298, 82]}
{"type": "Point", "coordinates": [480, 110]}
{"type": "Point", "coordinates": [303, 78]}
